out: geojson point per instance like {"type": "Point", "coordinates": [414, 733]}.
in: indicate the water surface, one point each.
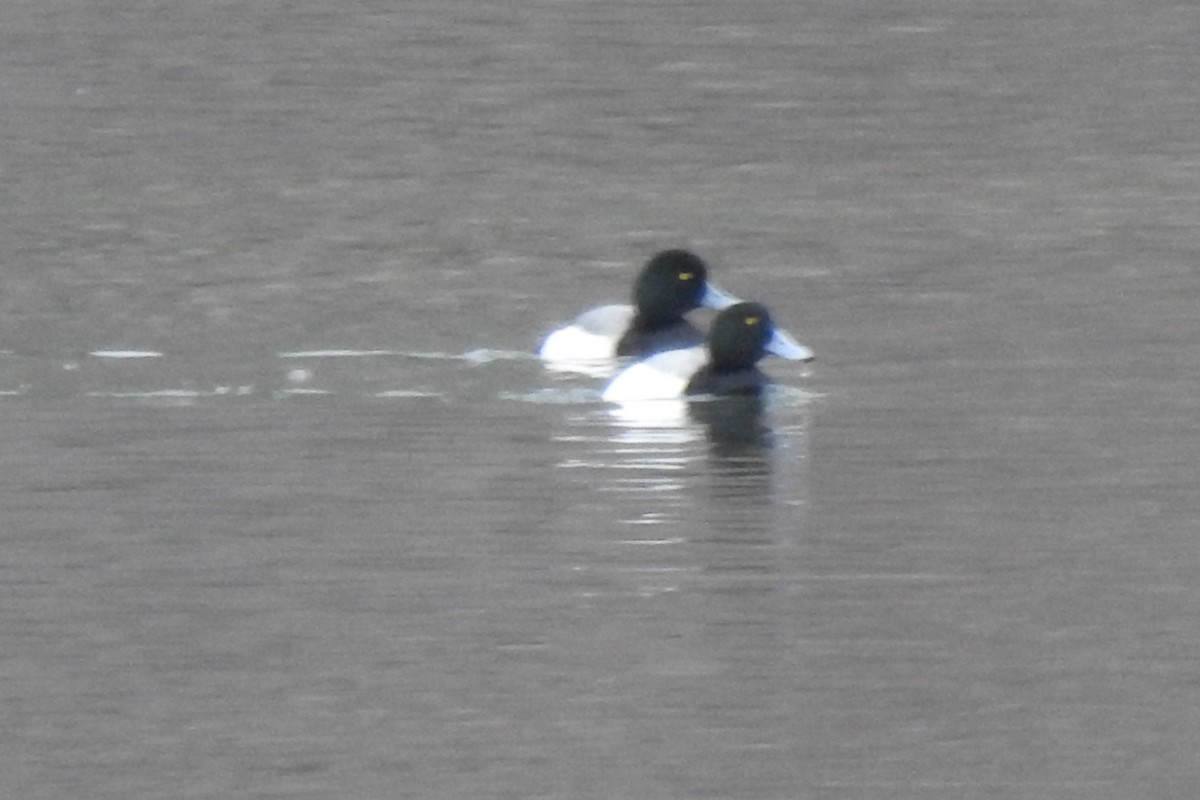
{"type": "Point", "coordinates": [290, 509]}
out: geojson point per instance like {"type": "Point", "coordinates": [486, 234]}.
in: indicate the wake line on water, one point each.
{"type": "Point", "coordinates": [478, 356]}
{"type": "Point", "coordinates": [125, 354]}
{"type": "Point", "coordinates": [481, 355]}
{"type": "Point", "coordinates": [554, 396]}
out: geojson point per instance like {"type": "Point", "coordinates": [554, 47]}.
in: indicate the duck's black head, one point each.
{"type": "Point", "coordinates": [738, 337]}
{"type": "Point", "coordinates": [671, 284]}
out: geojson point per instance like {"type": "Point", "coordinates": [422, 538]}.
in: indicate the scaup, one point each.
{"type": "Point", "coordinates": [740, 336]}
{"type": "Point", "coordinates": [671, 284]}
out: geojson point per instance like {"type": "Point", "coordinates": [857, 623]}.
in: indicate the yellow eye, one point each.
{"type": "Point", "coordinates": [685, 276]}
{"type": "Point", "coordinates": [751, 320]}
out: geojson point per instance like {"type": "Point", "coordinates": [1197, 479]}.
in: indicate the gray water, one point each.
{"type": "Point", "coordinates": [289, 510]}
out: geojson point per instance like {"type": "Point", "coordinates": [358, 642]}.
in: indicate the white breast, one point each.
{"type": "Point", "coordinates": [659, 377]}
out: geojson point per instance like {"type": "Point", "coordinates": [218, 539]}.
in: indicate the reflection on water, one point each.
{"type": "Point", "coordinates": [698, 489]}
{"type": "Point", "coordinates": [684, 587]}
{"type": "Point", "coordinates": [735, 425]}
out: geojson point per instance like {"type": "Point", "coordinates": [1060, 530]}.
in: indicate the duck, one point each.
{"type": "Point", "coordinates": [740, 336]}
{"type": "Point", "coordinates": [672, 283]}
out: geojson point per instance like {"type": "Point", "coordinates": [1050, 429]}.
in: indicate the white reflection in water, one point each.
{"type": "Point", "coordinates": [696, 491]}
{"type": "Point", "coordinates": [125, 354]}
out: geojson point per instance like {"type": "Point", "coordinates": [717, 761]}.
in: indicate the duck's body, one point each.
{"type": "Point", "coordinates": [592, 336]}
{"type": "Point", "coordinates": [671, 284]}
{"type": "Point", "coordinates": [727, 365]}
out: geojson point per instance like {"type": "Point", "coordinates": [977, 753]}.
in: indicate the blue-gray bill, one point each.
{"type": "Point", "coordinates": [716, 298]}
{"type": "Point", "coordinates": [783, 345]}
